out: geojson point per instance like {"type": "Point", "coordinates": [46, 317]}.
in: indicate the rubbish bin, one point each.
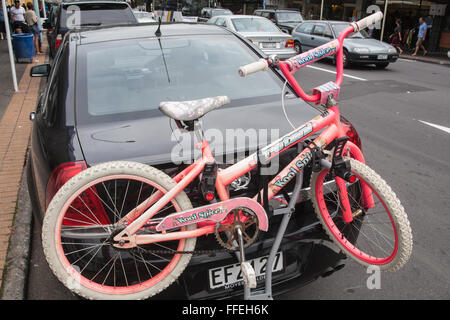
{"type": "Point", "coordinates": [23, 44]}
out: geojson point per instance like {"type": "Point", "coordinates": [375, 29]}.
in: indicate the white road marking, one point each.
{"type": "Point", "coordinates": [436, 126]}
{"type": "Point", "coordinates": [330, 71]}
{"type": "Point", "coordinates": [407, 60]}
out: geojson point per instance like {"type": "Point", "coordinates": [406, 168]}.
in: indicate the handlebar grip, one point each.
{"type": "Point", "coordinates": [260, 65]}
{"type": "Point", "coordinates": [367, 21]}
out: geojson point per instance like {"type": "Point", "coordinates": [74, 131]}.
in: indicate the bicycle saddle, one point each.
{"type": "Point", "coordinates": [193, 109]}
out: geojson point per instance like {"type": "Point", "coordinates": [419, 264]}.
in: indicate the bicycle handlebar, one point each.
{"type": "Point", "coordinates": [367, 21]}
{"type": "Point", "coordinates": [291, 65]}
{"type": "Point", "coordinates": [260, 65]}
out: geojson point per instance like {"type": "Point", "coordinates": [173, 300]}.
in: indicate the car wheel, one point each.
{"type": "Point", "coordinates": [382, 65]}
{"type": "Point", "coordinates": [346, 61]}
{"type": "Point", "coordinates": [297, 47]}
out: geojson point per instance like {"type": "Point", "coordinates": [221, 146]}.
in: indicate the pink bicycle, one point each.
{"type": "Point", "coordinates": [125, 230]}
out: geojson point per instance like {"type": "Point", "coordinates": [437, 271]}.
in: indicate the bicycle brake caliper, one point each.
{"type": "Point", "coordinates": [341, 167]}
{"type": "Point", "coordinates": [208, 181]}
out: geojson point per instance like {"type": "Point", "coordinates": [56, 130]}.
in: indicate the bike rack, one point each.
{"type": "Point", "coordinates": [266, 292]}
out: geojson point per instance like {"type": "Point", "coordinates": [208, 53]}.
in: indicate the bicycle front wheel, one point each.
{"type": "Point", "coordinates": [79, 226]}
{"type": "Point", "coordinates": [379, 234]}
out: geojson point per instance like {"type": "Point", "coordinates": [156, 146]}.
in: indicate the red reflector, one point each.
{"type": "Point", "coordinates": [352, 179]}
{"type": "Point", "coordinates": [57, 43]}
{"type": "Point", "coordinates": [209, 196]}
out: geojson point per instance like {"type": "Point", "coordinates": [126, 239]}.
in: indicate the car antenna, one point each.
{"type": "Point", "coordinates": [158, 34]}
{"type": "Point", "coordinates": [158, 31]}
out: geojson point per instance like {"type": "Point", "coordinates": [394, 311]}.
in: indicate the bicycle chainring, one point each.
{"type": "Point", "coordinates": [226, 233]}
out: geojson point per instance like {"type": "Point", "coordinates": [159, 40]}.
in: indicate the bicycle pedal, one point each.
{"type": "Point", "coordinates": [249, 274]}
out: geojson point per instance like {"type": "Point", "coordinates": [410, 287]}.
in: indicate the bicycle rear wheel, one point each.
{"type": "Point", "coordinates": [379, 235]}
{"type": "Point", "coordinates": [83, 215]}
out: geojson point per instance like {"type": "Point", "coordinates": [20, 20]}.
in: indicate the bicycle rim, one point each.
{"type": "Point", "coordinates": [82, 237]}
{"type": "Point", "coordinates": [372, 237]}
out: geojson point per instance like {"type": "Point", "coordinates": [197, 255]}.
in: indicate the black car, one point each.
{"type": "Point", "coordinates": [286, 20]}
{"type": "Point", "coordinates": [101, 104]}
{"type": "Point", "coordinates": [91, 14]}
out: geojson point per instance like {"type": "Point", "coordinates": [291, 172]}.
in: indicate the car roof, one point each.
{"type": "Point", "coordinates": [240, 16]}
{"type": "Point", "coordinates": [279, 10]}
{"type": "Point", "coordinates": [122, 32]}
{"type": "Point", "coordinates": [327, 21]}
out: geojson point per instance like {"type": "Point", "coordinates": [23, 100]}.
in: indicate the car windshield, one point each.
{"type": "Point", "coordinates": [223, 12]}
{"type": "Point", "coordinates": [289, 17]}
{"type": "Point", "coordinates": [94, 14]}
{"type": "Point", "coordinates": [134, 76]}
{"type": "Point", "coordinates": [253, 25]}
{"type": "Point", "coordinates": [339, 27]}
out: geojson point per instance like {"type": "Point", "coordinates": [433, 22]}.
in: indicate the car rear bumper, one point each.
{"type": "Point", "coordinates": [307, 256]}
{"type": "Point", "coordinates": [371, 58]}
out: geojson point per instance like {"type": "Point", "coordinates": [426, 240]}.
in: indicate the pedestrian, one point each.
{"type": "Point", "coordinates": [397, 36]}
{"type": "Point", "coordinates": [17, 16]}
{"type": "Point", "coordinates": [2, 25]}
{"type": "Point", "coordinates": [421, 37]}
{"type": "Point", "coordinates": [32, 22]}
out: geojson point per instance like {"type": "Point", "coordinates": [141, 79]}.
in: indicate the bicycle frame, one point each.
{"type": "Point", "coordinates": [329, 122]}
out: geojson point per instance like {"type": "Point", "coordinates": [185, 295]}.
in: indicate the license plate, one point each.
{"type": "Point", "coordinates": [269, 45]}
{"type": "Point", "coordinates": [230, 276]}
{"type": "Point", "coordinates": [382, 57]}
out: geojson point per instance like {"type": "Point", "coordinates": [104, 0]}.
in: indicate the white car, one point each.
{"type": "Point", "coordinates": [262, 32]}
{"type": "Point", "coordinates": [144, 17]}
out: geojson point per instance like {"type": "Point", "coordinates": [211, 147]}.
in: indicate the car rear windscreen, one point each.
{"type": "Point", "coordinates": [254, 25]}
{"type": "Point", "coordinates": [96, 14]}
{"type": "Point", "coordinates": [131, 76]}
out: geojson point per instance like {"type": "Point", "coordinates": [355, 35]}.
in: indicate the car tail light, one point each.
{"type": "Point", "coordinates": [351, 133]}
{"type": "Point", "coordinates": [58, 41]}
{"type": "Point", "coordinates": [83, 208]}
{"type": "Point", "coordinates": [289, 43]}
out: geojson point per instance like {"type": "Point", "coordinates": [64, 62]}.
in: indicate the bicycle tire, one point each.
{"type": "Point", "coordinates": [74, 279]}
{"type": "Point", "coordinates": [345, 239]}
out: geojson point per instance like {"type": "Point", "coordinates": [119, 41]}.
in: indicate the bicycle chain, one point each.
{"type": "Point", "coordinates": [160, 251]}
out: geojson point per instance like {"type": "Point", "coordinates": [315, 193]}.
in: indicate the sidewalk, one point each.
{"type": "Point", "coordinates": [15, 128]}
{"type": "Point", "coordinates": [431, 59]}
{"type": "Point", "coordinates": [6, 83]}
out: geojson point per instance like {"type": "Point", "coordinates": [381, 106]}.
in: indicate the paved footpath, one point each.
{"type": "Point", "coordinates": [15, 127]}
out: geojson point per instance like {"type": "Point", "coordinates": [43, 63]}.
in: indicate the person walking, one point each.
{"type": "Point", "coordinates": [2, 25]}
{"type": "Point", "coordinates": [421, 37]}
{"type": "Point", "coordinates": [397, 36]}
{"type": "Point", "coordinates": [32, 22]}
{"type": "Point", "coordinates": [17, 16]}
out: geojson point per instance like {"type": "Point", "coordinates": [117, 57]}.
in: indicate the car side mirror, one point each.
{"type": "Point", "coordinates": [42, 70]}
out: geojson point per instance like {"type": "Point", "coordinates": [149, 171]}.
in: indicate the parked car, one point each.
{"type": "Point", "coordinates": [286, 20]}
{"type": "Point", "coordinates": [261, 32]}
{"type": "Point", "coordinates": [359, 48]}
{"type": "Point", "coordinates": [101, 104]}
{"type": "Point", "coordinates": [92, 14]}
{"type": "Point", "coordinates": [208, 13]}
{"type": "Point", "coordinates": [144, 17]}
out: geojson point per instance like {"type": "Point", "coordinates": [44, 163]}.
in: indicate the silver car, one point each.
{"type": "Point", "coordinates": [359, 48]}
{"type": "Point", "coordinates": [262, 32]}
{"type": "Point", "coordinates": [144, 17]}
